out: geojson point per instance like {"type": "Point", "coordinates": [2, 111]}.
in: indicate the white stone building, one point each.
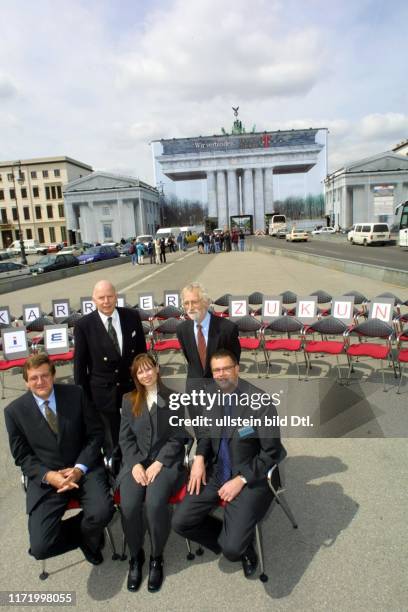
{"type": "Point", "coordinates": [102, 207]}
{"type": "Point", "coordinates": [239, 168]}
{"type": "Point", "coordinates": [367, 190]}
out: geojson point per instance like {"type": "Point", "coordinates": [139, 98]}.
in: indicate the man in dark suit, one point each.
{"type": "Point", "coordinates": [204, 333]}
{"type": "Point", "coordinates": [56, 440]}
{"type": "Point", "coordinates": [106, 342]}
{"type": "Point", "coordinates": [230, 467]}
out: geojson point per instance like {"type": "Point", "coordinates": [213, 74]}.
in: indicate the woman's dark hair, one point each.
{"type": "Point", "coordinates": [138, 395]}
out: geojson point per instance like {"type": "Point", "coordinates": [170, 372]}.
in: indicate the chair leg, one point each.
{"type": "Point", "coordinates": [383, 375]}
{"type": "Point", "coordinates": [258, 535]}
{"type": "Point", "coordinates": [280, 499]}
{"type": "Point", "coordinates": [111, 541]}
{"type": "Point", "coordinates": [297, 367]}
{"type": "Point", "coordinates": [400, 381]}
{"type": "Point", "coordinates": [2, 386]}
{"type": "Point", "coordinates": [44, 574]}
{"type": "Point", "coordinates": [190, 554]}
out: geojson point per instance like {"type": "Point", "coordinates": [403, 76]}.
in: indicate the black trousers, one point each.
{"type": "Point", "coordinates": [51, 536]}
{"type": "Point", "coordinates": [233, 535]}
{"type": "Point", "coordinates": [111, 426]}
{"type": "Point", "coordinates": [155, 499]}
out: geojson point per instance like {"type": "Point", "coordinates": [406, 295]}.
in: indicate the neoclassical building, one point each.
{"type": "Point", "coordinates": [239, 167]}
{"type": "Point", "coordinates": [367, 190]}
{"type": "Point", "coordinates": [102, 206]}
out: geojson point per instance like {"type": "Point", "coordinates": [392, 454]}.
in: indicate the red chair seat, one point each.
{"type": "Point", "coordinates": [167, 345]}
{"type": "Point", "coordinates": [283, 344]}
{"type": "Point", "coordinates": [403, 356]}
{"type": "Point", "coordinates": [73, 504]}
{"type": "Point", "coordinates": [63, 356]}
{"type": "Point", "coordinates": [369, 349]}
{"type": "Point", "coordinates": [331, 347]}
{"type": "Point", "coordinates": [179, 496]}
{"type": "Point", "coordinates": [249, 344]}
{"type": "Point", "coordinates": [6, 364]}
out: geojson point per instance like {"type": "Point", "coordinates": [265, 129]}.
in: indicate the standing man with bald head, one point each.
{"type": "Point", "coordinates": [106, 342]}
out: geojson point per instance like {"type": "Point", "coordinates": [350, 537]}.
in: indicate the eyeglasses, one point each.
{"type": "Point", "coordinates": [226, 369]}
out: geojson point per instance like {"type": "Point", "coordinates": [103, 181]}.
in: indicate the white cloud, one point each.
{"type": "Point", "coordinates": [384, 126]}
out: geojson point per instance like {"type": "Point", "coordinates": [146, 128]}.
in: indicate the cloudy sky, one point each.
{"type": "Point", "coordinates": [97, 80]}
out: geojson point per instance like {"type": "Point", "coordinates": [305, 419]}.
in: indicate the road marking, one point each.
{"type": "Point", "coordinates": [145, 278]}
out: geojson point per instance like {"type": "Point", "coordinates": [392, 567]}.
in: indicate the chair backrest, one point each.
{"type": "Point", "coordinates": [248, 324]}
{"type": "Point", "coordinates": [288, 297]}
{"type": "Point", "coordinates": [38, 324]}
{"type": "Point", "coordinates": [359, 298]}
{"type": "Point", "coordinates": [223, 300]}
{"type": "Point", "coordinates": [169, 311]}
{"type": "Point", "coordinates": [374, 328]}
{"type": "Point", "coordinates": [328, 326]}
{"type": "Point", "coordinates": [168, 327]}
{"type": "Point", "coordinates": [255, 298]}
{"type": "Point", "coordinates": [322, 296]}
{"type": "Point", "coordinates": [285, 324]}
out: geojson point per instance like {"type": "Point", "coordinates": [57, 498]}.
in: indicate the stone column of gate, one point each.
{"type": "Point", "coordinates": [248, 192]}
{"type": "Point", "coordinates": [212, 194]}
{"type": "Point", "coordinates": [222, 199]}
{"type": "Point", "coordinates": [233, 203]}
{"type": "Point", "coordinates": [268, 190]}
{"type": "Point", "coordinates": [259, 217]}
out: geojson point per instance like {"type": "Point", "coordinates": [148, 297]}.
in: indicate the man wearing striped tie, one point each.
{"type": "Point", "coordinates": [55, 438]}
{"type": "Point", "coordinates": [230, 469]}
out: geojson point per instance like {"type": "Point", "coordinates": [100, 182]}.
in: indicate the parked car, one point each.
{"type": "Point", "coordinates": [31, 247]}
{"type": "Point", "coordinates": [73, 249]}
{"type": "Point", "coordinates": [98, 253]}
{"type": "Point", "coordinates": [297, 235]}
{"type": "Point", "coordinates": [145, 238]}
{"type": "Point", "coordinates": [9, 269]}
{"type": "Point", "coordinates": [370, 233]}
{"type": "Point", "coordinates": [49, 263]}
{"type": "Point", "coordinates": [4, 254]}
{"type": "Point", "coordinates": [324, 231]}
{"type": "Point", "coordinates": [54, 247]}
{"type": "Point", "coordinates": [124, 249]}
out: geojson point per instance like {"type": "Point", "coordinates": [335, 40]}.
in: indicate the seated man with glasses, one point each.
{"type": "Point", "coordinates": [55, 438]}
{"type": "Point", "coordinates": [230, 468]}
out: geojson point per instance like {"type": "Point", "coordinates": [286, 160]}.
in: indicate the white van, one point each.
{"type": "Point", "coordinates": [166, 232]}
{"type": "Point", "coordinates": [31, 247]}
{"type": "Point", "coordinates": [370, 233]}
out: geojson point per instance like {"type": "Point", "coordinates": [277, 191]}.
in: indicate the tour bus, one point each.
{"type": "Point", "coordinates": [277, 222]}
{"type": "Point", "coordinates": [403, 226]}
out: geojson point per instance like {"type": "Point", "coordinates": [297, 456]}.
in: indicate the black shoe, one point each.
{"type": "Point", "coordinates": [135, 571]}
{"type": "Point", "coordinates": [249, 561]}
{"type": "Point", "coordinates": [95, 558]}
{"type": "Point", "coordinates": [155, 574]}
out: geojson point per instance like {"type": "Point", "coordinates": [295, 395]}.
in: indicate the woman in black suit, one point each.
{"type": "Point", "coordinates": [152, 470]}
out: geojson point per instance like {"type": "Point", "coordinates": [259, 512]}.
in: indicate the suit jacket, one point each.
{"type": "Point", "coordinates": [221, 334]}
{"type": "Point", "coordinates": [150, 437]}
{"type": "Point", "coordinates": [98, 367]}
{"type": "Point", "coordinates": [37, 450]}
{"type": "Point", "coordinates": [253, 453]}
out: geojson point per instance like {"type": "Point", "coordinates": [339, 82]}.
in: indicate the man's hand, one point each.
{"type": "Point", "coordinates": [231, 489]}
{"type": "Point", "coordinates": [197, 475]}
{"type": "Point", "coordinates": [63, 482]}
{"type": "Point", "coordinates": [153, 470]}
{"type": "Point", "coordinates": [139, 474]}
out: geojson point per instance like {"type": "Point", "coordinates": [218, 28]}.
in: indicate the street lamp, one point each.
{"type": "Point", "coordinates": [20, 180]}
{"type": "Point", "coordinates": [161, 202]}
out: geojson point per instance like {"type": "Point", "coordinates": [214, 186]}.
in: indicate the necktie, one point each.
{"type": "Point", "coordinates": [113, 335]}
{"type": "Point", "coordinates": [224, 466]}
{"type": "Point", "coordinates": [201, 345]}
{"type": "Point", "coordinates": [51, 417]}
